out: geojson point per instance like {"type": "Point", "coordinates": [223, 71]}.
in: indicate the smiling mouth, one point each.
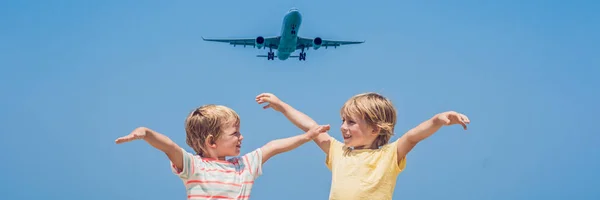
{"type": "Point", "coordinates": [347, 136]}
{"type": "Point", "coordinates": [238, 146]}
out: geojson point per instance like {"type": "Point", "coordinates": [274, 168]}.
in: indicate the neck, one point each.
{"type": "Point", "coordinates": [372, 146]}
{"type": "Point", "coordinates": [213, 155]}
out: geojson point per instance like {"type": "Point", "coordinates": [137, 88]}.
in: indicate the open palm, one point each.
{"type": "Point", "coordinates": [134, 135]}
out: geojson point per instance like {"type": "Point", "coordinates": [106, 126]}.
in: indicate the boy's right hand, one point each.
{"type": "Point", "coordinates": [273, 101]}
{"type": "Point", "coordinates": [315, 131]}
{"type": "Point", "coordinates": [138, 133]}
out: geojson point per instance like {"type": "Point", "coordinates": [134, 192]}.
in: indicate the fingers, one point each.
{"type": "Point", "coordinates": [128, 138]}
{"type": "Point", "coordinates": [124, 139]}
{"type": "Point", "coordinates": [263, 95]}
{"type": "Point", "coordinates": [463, 120]}
{"type": "Point", "coordinates": [464, 125]}
{"type": "Point", "coordinates": [323, 128]}
{"type": "Point", "coordinates": [267, 106]}
{"type": "Point", "coordinates": [262, 100]}
{"type": "Point", "coordinates": [314, 131]}
{"type": "Point", "coordinates": [455, 118]}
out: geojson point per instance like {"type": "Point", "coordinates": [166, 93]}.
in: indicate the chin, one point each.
{"type": "Point", "coordinates": [348, 143]}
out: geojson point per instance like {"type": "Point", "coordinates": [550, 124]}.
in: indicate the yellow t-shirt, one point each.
{"type": "Point", "coordinates": [363, 173]}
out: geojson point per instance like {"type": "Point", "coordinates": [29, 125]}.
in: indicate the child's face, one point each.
{"type": "Point", "coordinates": [230, 141]}
{"type": "Point", "coordinates": [357, 133]}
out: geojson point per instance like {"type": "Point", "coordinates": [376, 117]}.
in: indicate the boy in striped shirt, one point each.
{"type": "Point", "coordinates": [213, 131]}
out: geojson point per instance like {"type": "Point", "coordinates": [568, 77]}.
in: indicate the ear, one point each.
{"type": "Point", "coordinates": [210, 141]}
{"type": "Point", "coordinates": [376, 130]}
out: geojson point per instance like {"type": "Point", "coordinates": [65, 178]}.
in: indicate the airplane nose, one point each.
{"type": "Point", "coordinates": [294, 12]}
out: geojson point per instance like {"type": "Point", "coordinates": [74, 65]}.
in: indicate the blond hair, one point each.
{"type": "Point", "coordinates": [207, 120]}
{"type": "Point", "coordinates": [376, 110]}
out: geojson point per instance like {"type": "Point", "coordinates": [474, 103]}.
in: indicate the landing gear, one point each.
{"type": "Point", "coordinates": [271, 54]}
{"type": "Point", "coordinates": [302, 55]}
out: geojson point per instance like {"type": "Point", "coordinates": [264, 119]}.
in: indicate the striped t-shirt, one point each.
{"type": "Point", "coordinates": [207, 178]}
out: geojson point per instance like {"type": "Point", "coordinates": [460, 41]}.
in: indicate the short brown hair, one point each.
{"type": "Point", "coordinates": [207, 120]}
{"type": "Point", "coordinates": [376, 110]}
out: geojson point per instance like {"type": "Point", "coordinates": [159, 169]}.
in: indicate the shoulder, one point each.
{"type": "Point", "coordinates": [256, 153]}
{"type": "Point", "coordinates": [392, 146]}
{"type": "Point", "coordinates": [335, 145]}
{"type": "Point", "coordinates": [249, 157]}
{"type": "Point", "coordinates": [336, 148]}
{"type": "Point", "coordinates": [390, 150]}
{"type": "Point", "coordinates": [190, 158]}
{"type": "Point", "coordinates": [252, 161]}
{"type": "Point", "coordinates": [387, 151]}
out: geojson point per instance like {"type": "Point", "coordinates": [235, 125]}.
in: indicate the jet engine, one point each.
{"type": "Point", "coordinates": [259, 42]}
{"type": "Point", "coordinates": [317, 43]}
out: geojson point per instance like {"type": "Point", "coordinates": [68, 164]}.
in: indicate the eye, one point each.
{"type": "Point", "coordinates": [349, 122]}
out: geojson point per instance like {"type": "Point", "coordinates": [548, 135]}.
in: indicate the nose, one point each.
{"type": "Point", "coordinates": [344, 128]}
{"type": "Point", "coordinates": [241, 137]}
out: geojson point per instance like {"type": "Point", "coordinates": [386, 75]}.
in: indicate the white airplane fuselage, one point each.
{"type": "Point", "coordinates": [286, 42]}
{"type": "Point", "coordinates": [289, 34]}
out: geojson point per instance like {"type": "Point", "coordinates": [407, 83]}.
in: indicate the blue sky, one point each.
{"type": "Point", "coordinates": [75, 75]}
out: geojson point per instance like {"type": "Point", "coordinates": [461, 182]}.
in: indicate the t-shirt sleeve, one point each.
{"type": "Point", "coordinates": [393, 151]}
{"type": "Point", "coordinates": [336, 149]}
{"type": "Point", "coordinates": [188, 165]}
{"type": "Point", "coordinates": [253, 162]}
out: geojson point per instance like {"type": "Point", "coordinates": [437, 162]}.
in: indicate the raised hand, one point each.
{"type": "Point", "coordinates": [273, 101]}
{"type": "Point", "coordinates": [315, 131]}
{"type": "Point", "coordinates": [451, 118]}
{"type": "Point", "coordinates": [138, 133]}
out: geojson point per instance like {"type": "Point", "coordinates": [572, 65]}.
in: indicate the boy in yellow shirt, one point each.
{"type": "Point", "coordinates": [365, 165]}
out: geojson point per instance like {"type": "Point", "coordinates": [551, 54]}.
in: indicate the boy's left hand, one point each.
{"type": "Point", "coordinates": [451, 118]}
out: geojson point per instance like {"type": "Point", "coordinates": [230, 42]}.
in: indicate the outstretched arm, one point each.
{"type": "Point", "coordinates": [283, 145]}
{"type": "Point", "coordinates": [298, 118]}
{"type": "Point", "coordinates": [427, 128]}
{"type": "Point", "coordinates": [158, 141]}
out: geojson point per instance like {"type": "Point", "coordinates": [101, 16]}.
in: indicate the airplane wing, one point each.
{"type": "Point", "coordinates": [310, 42]}
{"type": "Point", "coordinates": [272, 42]}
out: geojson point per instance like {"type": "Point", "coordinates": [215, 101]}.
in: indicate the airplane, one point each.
{"type": "Point", "coordinates": [287, 42]}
